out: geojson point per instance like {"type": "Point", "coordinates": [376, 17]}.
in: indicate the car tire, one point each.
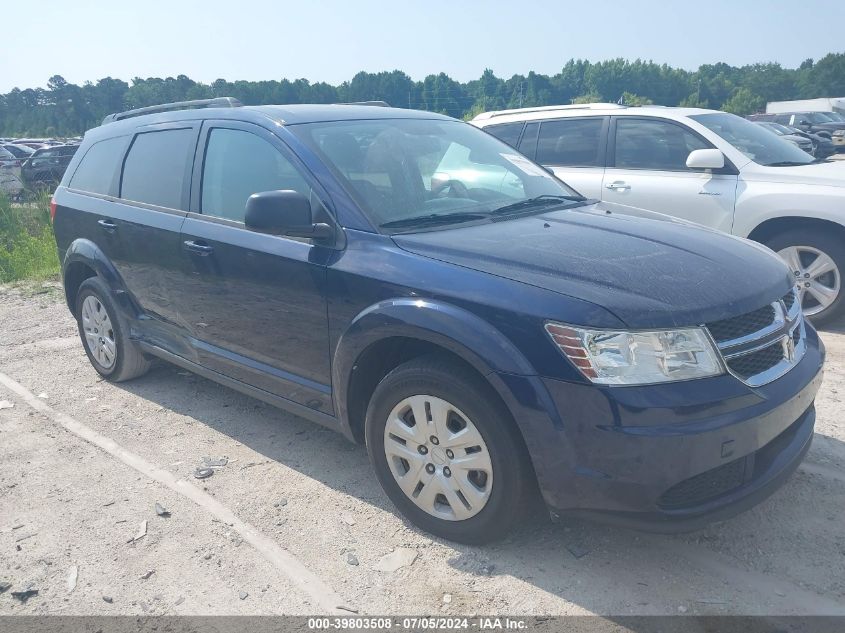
{"type": "Point", "coordinates": [483, 504]}
{"type": "Point", "coordinates": [105, 336]}
{"type": "Point", "coordinates": [800, 249]}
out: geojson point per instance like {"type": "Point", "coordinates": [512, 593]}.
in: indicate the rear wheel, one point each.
{"type": "Point", "coordinates": [817, 262]}
{"type": "Point", "coordinates": [446, 453]}
{"type": "Point", "coordinates": [104, 335]}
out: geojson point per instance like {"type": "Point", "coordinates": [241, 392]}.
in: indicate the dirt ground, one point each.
{"type": "Point", "coordinates": [295, 522]}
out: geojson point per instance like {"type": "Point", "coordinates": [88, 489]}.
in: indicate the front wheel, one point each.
{"type": "Point", "coordinates": [817, 262]}
{"type": "Point", "coordinates": [446, 453]}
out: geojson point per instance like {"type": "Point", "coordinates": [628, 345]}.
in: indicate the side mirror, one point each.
{"type": "Point", "coordinates": [283, 213]}
{"type": "Point", "coordinates": [706, 159]}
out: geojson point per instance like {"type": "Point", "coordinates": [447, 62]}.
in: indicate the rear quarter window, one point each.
{"type": "Point", "coordinates": [155, 168]}
{"type": "Point", "coordinates": [506, 132]}
{"type": "Point", "coordinates": [99, 166]}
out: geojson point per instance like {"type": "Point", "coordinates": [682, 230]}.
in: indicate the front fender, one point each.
{"type": "Point", "coordinates": [758, 203]}
{"type": "Point", "coordinates": [461, 332]}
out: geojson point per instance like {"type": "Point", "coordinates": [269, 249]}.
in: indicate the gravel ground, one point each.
{"type": "Point", "coordinates": [70, 507]}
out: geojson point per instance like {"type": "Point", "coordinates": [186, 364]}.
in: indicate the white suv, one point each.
{"type": "Point", "coordinates": [704, 166]}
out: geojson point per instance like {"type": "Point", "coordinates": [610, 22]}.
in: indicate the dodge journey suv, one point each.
{"type": "Point", "coordinates": [415, 284]}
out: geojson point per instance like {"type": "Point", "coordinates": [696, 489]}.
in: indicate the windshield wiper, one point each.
{"type": "Point", "coordinates": [432, 219]}
{"type": "Point", "coordinates": [536, 201]}
{"type": "Point", "coordinates": [789, 163]}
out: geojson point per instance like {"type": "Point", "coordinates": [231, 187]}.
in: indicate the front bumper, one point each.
{"type": "Point", "coordinates": [675, 457]}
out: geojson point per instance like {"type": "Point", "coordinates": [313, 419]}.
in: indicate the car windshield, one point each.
{"type": "Point", "coordinates": [19, 151]}
{"type": "Point", "coordinates": [777, 127]}
{"type": "Point", "coordinates": [835, 116]}
{"type": "Point", "coordinates": [412, 172]}
{"type": "Point", "coordinates": [815, 117]}
{"type": "Point", "coordinates": [756, 143]}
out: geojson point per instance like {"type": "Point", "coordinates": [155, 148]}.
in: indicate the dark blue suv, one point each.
{"type": "Point", "coordinates": [417, 285]}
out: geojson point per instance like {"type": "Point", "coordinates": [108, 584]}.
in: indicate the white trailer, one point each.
{"type": "Point", "coordinates": [824, 104]}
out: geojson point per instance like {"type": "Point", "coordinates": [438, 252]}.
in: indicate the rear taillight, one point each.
{"type": "Point", "coordinates": [52, 209]}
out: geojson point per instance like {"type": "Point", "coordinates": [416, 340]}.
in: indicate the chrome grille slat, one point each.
{"type": "Point", "coordinates": [759, 356]}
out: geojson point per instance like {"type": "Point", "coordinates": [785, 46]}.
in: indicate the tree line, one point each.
{"type": "Point", "coordinates": [66, 109]}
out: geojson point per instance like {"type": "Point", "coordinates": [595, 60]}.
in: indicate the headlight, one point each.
{"type": "Point", "coordinates": [637, 358]}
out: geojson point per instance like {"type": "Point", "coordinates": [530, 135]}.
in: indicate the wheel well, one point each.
{"type": "Point", "coordinates": [768, 229]}
{"type": "Point", "coordinates": [75, 274]}
{"type": "Point", "coordinates": [379, 359]}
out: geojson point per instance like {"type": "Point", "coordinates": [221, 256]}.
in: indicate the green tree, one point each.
{"type": "Point", "coordinates": [744, 102]}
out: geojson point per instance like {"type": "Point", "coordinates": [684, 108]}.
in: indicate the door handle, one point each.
{"type": "Point", "coordinates": [200, 248]}
{"type": "Point", "coordinates": [107, 225]}
{"type": "Point", "coordinates": [618, 185]}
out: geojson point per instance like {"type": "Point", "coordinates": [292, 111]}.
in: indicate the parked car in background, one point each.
{"type": "Point", "coordinates": [821, 123]}
{"type": "Point", "coordinates": [484, 339]}
{"type": "Point", "coordinates": [708, 167]}
{"type": "Point", "coordinates": [18, 151]}
{"type": "Point", "coordinates": [45, 167]}
{"type": "Point", "coordinates": [10, 173]}
{"type": "Point", "coordinates": [31, 143]}
{"type": "Point", "coordinates": [801, 142]}
{"type": "Point", "coordinates": [821, 146]}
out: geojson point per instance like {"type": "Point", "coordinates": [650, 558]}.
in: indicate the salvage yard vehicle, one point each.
{"type": "Point", "coordinates": [487, 338]}
{"type": "Point", "coordinates": [45, 167]}
{"type": "Point", "coordinates": [708, 167]}
{"type": "Point", "coordinates": [801, 142]}
{"type": "Point", "coordinates": [10, 173]}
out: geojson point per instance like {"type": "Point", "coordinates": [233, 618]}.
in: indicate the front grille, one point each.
{"type": "Point", "coordinates": [789, 300]}
{"type": "Point", "coordinates": [743, 325]}
{"type": "Point", "coordinates": [704, 487]}
{"type": "Point", "coordinates": [763, 344]}
{"type": "Point", "coordinates": [757, 362]}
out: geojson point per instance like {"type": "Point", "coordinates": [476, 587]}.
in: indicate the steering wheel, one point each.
{"type": "Point", "coordinates": [456, 189]}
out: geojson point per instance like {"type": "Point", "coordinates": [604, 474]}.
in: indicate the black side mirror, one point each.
{"type": "Point", "coordinates": [284, 213]}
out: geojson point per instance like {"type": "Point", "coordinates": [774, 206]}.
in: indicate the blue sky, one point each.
{"type": "Point", "coordinates": [329, 40]}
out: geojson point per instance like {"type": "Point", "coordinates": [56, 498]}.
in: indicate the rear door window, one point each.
{"type": "Point", "coordinates": [528, 142]}
{"type": "Point", "coordinates": [239, 164]}
{"type": "Point", "coordinates": [571, 142]}
{"type": "Point", "coordinates": [653, 144]}
{"type": "Point", "coordinates": [156, 167]}
{"type": "Point", "coordinates": [100, 164]}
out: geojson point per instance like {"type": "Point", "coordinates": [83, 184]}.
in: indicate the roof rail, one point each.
{"type": "Point", "coordinates": [380, 104]}
{"type": "Point", "coordinates": [551, 108]}
{"type": "Point", "coordinates": [217, 102]}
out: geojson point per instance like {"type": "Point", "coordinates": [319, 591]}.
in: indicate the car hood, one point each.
{"type": "Point", "coordinates": [829, 127]}
{"type": "Point", "coordinates": [830, 173]}
{"type": "Point", "coordinates": [796, 138]}
{"type": "Point", "coordinates": [649, 272]}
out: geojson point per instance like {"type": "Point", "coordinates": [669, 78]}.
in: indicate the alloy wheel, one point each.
{"type": "Point", "coordinates": [816, 276]}
{"type": "Point", "coordinates": [438, 457]}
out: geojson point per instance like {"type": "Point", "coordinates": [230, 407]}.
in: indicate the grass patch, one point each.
{"type": "Point", "coordinates": [27, 246]}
